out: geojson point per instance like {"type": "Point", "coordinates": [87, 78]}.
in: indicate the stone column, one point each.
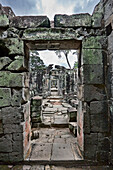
{"type": "Point", "coordinates": [93, 115]}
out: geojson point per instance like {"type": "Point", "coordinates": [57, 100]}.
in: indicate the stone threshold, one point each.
{"type": "Point", "coordinates": [67, 163]}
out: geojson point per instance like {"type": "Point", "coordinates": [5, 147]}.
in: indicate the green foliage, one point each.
{"type": "Point", "coordinates": [75, 65]}
{"type": "Point", "coordinates": [35, 62]}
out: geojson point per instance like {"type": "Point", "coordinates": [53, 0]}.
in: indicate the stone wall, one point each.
{"type": "Point", "coordinates": [14, 94]}
{"type": "Point", "coordinates": [108, 17]}
{"type": "Point", "coordinates": [80, 31]}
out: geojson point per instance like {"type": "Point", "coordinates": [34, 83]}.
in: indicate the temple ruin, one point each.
{"type": "Point", "coordinates": [86, 93]}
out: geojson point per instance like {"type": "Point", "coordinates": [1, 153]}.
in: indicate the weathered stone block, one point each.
{"type": "Point", "coordinates": [90, 146]}
{"type": "Point", "coordinates": [97, 20]}
{"type": "Point", "coordinates": [26, 111]}
{"type": "Point", "coordinates": [16, 99]}
{"type": "Point", "coordinates": [3, 34]}
{"type": "Point", "coordinates": [76, 20]}
{"type": "Point", "coordinates": [29, 21]}
{"type": "Point", "coordinates": [72, 113]}
{"type": "Point", "coordinates": [8, 79]}
{"type": "Point", "coordinates": [1, 127]}
{"type": "Point", "coordinates": [9, 12]}
{"type": "Point", "coordinates": [36, 101]}
{"type": "Point", "coordinates": [110, 47]}
{"type": "Point", "coordinates": [18, 136]}
{"type": "Point", "coordinates": [4, 157]}
{"type": "Point", "coordinates": [12, 46]}
{"type": "Point", "coordinates": [102, 156]}
{"type": "Point", "coordinates": [11, 115]}
{"type": "Point", "coordinates": [6, 143]}
{"type": "Point", "coordinates": [90, 93]}
{"type": "Point", "coordinates": [108, 9]}
{"type": "Point", "coordinates": [95, 42]}
{"type": "Point", "coordinates": [99, 123]}
{"type": "Point", "coordinates": [4, 61]}
{"type": "Point", "coordinates": [86, 121]}
{"type": "Point", "coordinates": [5, 97]}
{"type": "Point", "coordinates": [17, 64]}
{"type": "Point", "coordinates": [17, 146]}
{"type": "Point", "coordinates": [51, 34]}
{"type": "Point", "coordinates": [93, 74]}
{"type": "Point", "coordinates": [13, 32]}
{"type": "Point", "coordinates": [36, 119]}
{"type": "Point", "coordinates": [4, 21]}
{"type": "Point", "coordinates": [92, 56]}
{"type": "Point", "coordinates": [19, 96]}
{"type": "Point", "coordinates": [99, 107]}
{"type": "Point", "coordinates": [14, 128]}
{"type": "Point", "coordinates": [35, 108]}
{"type": "Point", "coordinates": [34, 114]}
{"type": "Point", "coordinates": [103, 144]}
{"type": "Point", "coordinates": [15, 157]}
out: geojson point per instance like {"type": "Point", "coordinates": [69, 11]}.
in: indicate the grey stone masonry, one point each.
{"type": "Point", "coordinates": [92, 36]}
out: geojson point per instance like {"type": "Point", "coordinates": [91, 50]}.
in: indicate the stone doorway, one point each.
{"type": "Point", "coordinates": [56, 128]}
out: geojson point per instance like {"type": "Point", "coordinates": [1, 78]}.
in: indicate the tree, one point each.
{"type": "Point", "coordinates": [65, 52]}
{"type": "Point", "coordinates": [35, 62]}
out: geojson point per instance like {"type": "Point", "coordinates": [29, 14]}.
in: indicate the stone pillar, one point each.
{"type": "Point", "coordinates": [93, 115]}
{"type": "Point", "coordinates": [14, 105]}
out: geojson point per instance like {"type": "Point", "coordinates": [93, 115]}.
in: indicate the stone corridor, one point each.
{"type": "Point", "coordinates": [56, 140]}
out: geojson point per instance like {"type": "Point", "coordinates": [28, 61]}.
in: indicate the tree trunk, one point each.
{"type": "Point", "coordinates": [66, 55]}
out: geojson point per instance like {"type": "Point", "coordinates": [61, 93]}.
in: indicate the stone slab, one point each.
{"type": "Point", "coordinates": [11, 46]}
{"type": "Point", "coordinates": [29, 21]}
{"type": "Point", "coordinates": [66, 105]}
{"type": "Point", "coordinates": [49, 34]}
{"type": "Point", "coordinates": [62, 152]}
{"type": "Point", "coordinates": [93, 74]}
{"type": "Point", "coordinates": [76, 20]}
{"type": "Point", "coordinates": [41, 152]}
{"type": "Point", "coordinates": [94, 42]}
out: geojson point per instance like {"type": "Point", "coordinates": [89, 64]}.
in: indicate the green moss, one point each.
{"type": "Point", "coordinates": [49, 34]}
{"type": "Point", "coordinates": [12, 46]}
{"type": "Point", "coordinates": [4, 61]}
{"type": "Point", "coordinates": [92, 56]}
{"type": "Point", "coordinates": [4, 21]}
{"type": "Point", "coordinates": [94, 42]}
{"type": "Point", "coordinates": [8, 79]}
{"type": "Point", "coordinates": [17, 64]}
{"type": "Point", "coordinates": [5, 97]}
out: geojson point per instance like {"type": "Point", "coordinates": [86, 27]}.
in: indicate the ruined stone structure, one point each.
{"type": "Point", "coordinates": [64, 80]}
{"type": "Point", "coordinates": [92, 36]}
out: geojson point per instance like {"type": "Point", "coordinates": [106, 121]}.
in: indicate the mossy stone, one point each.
{"type": "Point", "coordinates": [4, 61]}
{"type": "Point", "coordinates": [5, 97]}
{"type": "Point", "coordinates": [4, 21]}
{"type": "Point", "coordinates": [17, 64]}
{"type": "Point", "coordinates": [8, 79]}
